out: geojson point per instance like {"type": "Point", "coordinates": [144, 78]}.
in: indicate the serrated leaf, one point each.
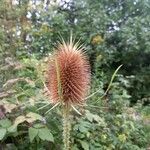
{"type": "Point", "coordinates": [45, 134]}
{"type": "Point", "coordinates": [5, 123]}
{"type": "Point", "coordinates": [84, 145]}
{"type": "Point", "coordinates": [2, 133]}
{"type": "Point", "coordinates": [32, 133]}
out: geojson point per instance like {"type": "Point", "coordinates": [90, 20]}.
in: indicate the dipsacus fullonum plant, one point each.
{"type": "Point", "coordinates": [68, 81]}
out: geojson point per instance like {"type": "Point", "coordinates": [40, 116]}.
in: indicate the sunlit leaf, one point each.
{"type": "Point", "coordinates": [19, 120]}
{"type": "Point", "coordinates": [31, 117]}
{"type": "Point", "coordinates": [45, 134]}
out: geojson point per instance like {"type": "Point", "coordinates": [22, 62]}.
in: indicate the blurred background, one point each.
{"type": "Point", "coordinates": [114, 32]}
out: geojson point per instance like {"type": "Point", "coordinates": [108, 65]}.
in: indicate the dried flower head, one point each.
{"type": "Point", "coordinates": [68, 75]}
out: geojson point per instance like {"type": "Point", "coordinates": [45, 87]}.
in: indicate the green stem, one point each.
{"type": "Point", "coordinates": [66, 127]}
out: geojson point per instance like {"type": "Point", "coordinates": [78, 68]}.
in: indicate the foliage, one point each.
{"type": "Point", "coordinates": [104, 124]}
{"type": "Point", "coordinates": [115, 33]}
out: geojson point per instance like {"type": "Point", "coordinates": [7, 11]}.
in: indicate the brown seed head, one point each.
{"type": "Point", "coordinates": [68, 75]}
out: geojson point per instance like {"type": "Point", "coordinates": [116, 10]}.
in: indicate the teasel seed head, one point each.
{"type": "Point", "coordinates": [68, 75]}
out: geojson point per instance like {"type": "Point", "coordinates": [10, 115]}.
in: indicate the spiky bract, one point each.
{"type": "Point", "coordinates": [68, 75]}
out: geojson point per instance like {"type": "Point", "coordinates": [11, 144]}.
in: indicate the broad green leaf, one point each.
{"type": "Point", "coordinates": [12, 129]}
{"type": "Point", "coordinates": [32, 133]}
{"type": "Point", "coordinates": [2, 133]}
{"type": "Point", "coordinates": [84, 126]}
{"type": "Point", "coordinates": [85, 145]}
{"type": "Point", "coordinates": [45, 134]}
{"type": "Point", "coordinates": [5, 123]}
{"type": "Point", "coordinates": [83, 129]}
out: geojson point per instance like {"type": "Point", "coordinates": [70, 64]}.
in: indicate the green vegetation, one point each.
{"type": "Point", "coordinates": [114, 33]}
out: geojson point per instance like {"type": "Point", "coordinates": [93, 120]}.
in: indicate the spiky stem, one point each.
{"type": "Point", "coordinates": [66, 127]}
{"type": "Point", "coordinates": [66, 110]}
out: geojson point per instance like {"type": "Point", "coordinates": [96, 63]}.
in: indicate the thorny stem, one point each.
{"type": "Point", "coordinates": [66, 127]}
{"type": "Point", "coordinates": [66, 112]}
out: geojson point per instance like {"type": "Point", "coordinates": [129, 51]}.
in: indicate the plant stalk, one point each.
{"type": "Point", "coordinates": [66, 127]}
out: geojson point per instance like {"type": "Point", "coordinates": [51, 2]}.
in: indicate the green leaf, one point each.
{"type": "Point", "coordinates": [5, 123]}
{"type": "Point", "coordinates": [122, 137]}
{"type": "Point", "coordinates": [84, 145]}
{"type": "Point", "coordinates": [38, 125]}
{"type": "Point", "coordinates": [45, 134]}
{"type": "Point", "coordinates": [2, 133]}
{"type": "Point", "coordinates": [32, 133]}
{"type": "Point", "coordinates": [84, 126]}
{"type": "Point", "coordinates": [12, 129]}
{"type": "Point", "coordinates": [83, 129]}
{"type": "Point", "coordinates": [89, 116]}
